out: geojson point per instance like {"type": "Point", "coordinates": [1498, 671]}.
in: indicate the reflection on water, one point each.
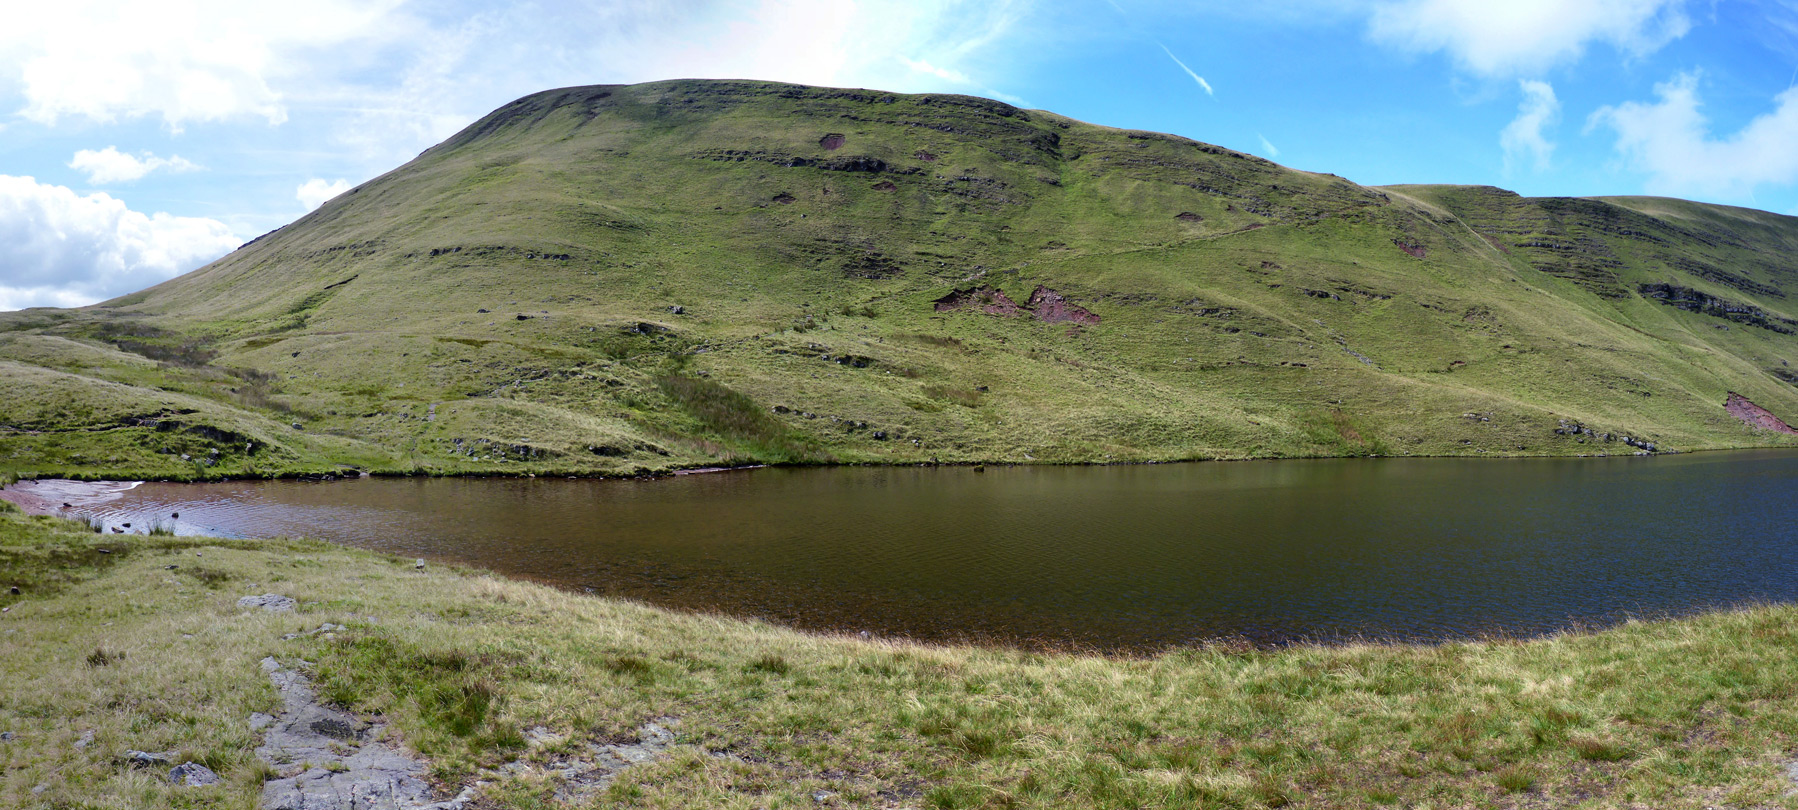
{"type": "Point", "coordinates": [1112, 557]}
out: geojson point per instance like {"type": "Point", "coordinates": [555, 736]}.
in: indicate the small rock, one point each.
{"type": "Point", "coordinates": [260, 721]}
{"type": "Point", "coordinates": [420, 565]}
{"type": "Point", "coordinates": [38, 789]}
{"type": "Point", "coordinates": [15, 590]}
{"type": "Point", "coordinates": [5, 736]}
{"type": "Point", "coordinates": [274, 603]}
{"type": "Point", "coordinates": [193, 774]}
{"type": "Point", "coordinates": [145, 759]}
{"type": "Point", "coordinates": [822, 796]}
{"type": "Point", "coordinates": [87, 739]}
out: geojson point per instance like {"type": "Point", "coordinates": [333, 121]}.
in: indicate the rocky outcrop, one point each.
{"type": "Point", "coordinates": [1704, 303]}
{"type": "Point", "coordinates": [328, 759]}
{"type": "Point", "coordinates": [1754, 415]}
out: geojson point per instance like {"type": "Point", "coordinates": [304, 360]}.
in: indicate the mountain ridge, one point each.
{"type": "Point", "coordinates": [620, 279]}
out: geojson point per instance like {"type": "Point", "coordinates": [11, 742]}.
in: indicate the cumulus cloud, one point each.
{"type": "Point", "coordinates": [1205, 85]}
{"type": "Point", "coordinates": [1526, 37]}
{"type": "Point", "coordinates": [58, 248]}
{"type": "Point", "coordinates": [1670, 140]}
{"type": "Point", "coordinates": [317, 191]}
{"type": "Point", "coordinates": [1523, 137]}
{"type": "Point", "coordinates": [109, 165]}
{"type": "Point", "coordinates": [179, 60]}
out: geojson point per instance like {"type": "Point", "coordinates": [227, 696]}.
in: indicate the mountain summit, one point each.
{"type": "Point", "coordinates": [618, 279]}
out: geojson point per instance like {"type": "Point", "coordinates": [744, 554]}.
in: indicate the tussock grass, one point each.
{"type": "Point", "coordinates": [1681, 714]}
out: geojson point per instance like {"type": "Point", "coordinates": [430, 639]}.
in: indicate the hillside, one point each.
{"type": "Point", "coordinates": [622, 279]}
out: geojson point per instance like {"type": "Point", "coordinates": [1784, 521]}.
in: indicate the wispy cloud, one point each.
{"type": "Point", "coordinates": [924, 66]}
{"type": "Point", "coordinates": [957, 77]}
{"type": "Point", "coordinates": [1524, 136]}
{"type": "Point", "coordinates": [109, 165]}
{"type": "Point", "coordinates": [1268, 146]}
{"type": "Point", "coordinates": [1189, 71]}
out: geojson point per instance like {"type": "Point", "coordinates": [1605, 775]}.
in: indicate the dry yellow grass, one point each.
{"type": "Point", "coordinates": [1691, 713]}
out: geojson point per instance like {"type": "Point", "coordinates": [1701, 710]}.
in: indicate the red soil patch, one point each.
{"type": "Point", "coordinates": [1045, 305]}
{"type": "Point", "coordinates": [925, 156]}
{"type": "Point", "coordinates": [884, 185]}
{"type": "Point", "coordinates": [833, 141]}
{"type": "Point", "coordinates": [1411, 248]}
{"type": "Point", "coordinates": [987, 299]}
{"type": "Point", "coordinates": [1754, 415]}
{"type": "Point", "coordinates": [1052, 307]}
{"type": "Point", "coordinates": [1189, 216]}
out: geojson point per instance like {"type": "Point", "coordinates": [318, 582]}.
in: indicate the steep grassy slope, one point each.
{"type": "Point", "coordinates": [612, 279]}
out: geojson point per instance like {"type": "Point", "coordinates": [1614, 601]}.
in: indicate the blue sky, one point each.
{"type": "Point", "coordinates": [142, 140]}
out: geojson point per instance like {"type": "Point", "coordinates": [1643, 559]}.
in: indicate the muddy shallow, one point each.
{"type": "Point", "coordinates": [1108, 557]}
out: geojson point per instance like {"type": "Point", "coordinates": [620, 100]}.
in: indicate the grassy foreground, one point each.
{"type": "Point", "coordinates": [144, 647]}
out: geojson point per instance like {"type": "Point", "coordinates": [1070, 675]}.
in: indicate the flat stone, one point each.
{"type": "Point", "coordinates": [339, 774]}
{"type": "Point", "coordinates": [272, 602]}
{"type": "Point", "coordinates": [193, 774]}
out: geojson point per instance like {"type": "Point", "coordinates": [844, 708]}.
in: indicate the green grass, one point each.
{"type": "Point", "coordinates": [1692, 713]}
{"type": "Point", "coordinates": [608, 282]}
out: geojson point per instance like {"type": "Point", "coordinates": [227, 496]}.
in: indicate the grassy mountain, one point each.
{"type": "Point", "coordinates": [625, 278]}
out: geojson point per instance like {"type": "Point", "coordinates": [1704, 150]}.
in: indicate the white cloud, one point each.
{"type": "Point", "coordinates": [316, 192]}
{"type": "Point", "coordinates": [58, 248]}
{"type": "Point", "coordinates": [1195, 77]}
{"type": "Point", "coordinates": [1526, 37]}
{"type": "Point", "coordinates": [1268, 146]}
{"type": "Point", "coordinates": [1523, 137]}
{"type": "Point", "coordinates": [180, 60]}
{"type": "Point", "coordinates": [109, 165]}
{"type": "Point", "coordinates": [1670, 140]}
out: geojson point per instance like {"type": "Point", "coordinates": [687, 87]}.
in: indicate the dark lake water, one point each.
{"type": "Point", "coordinates": [1127, 557]}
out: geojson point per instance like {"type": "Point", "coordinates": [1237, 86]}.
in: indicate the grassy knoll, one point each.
{"type": "Point", "coordinates": [612, 280]}
{"type": "Point", "coordinates": [145, 648]}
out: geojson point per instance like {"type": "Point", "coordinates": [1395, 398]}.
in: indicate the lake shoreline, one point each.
{"type": "Point", "coordinates": [1680, 714]}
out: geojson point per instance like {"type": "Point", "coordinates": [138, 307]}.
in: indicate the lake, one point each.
{"type": "Point", "coordinates": [1113, 558]}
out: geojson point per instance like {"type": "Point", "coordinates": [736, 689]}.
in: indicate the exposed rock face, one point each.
{"type": "Point", "coordinates": [328, 761]}
{"type": "Point", "coordinates": [1703, 303]}
{"type": "Point", "coordinates": [1754, 415]}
